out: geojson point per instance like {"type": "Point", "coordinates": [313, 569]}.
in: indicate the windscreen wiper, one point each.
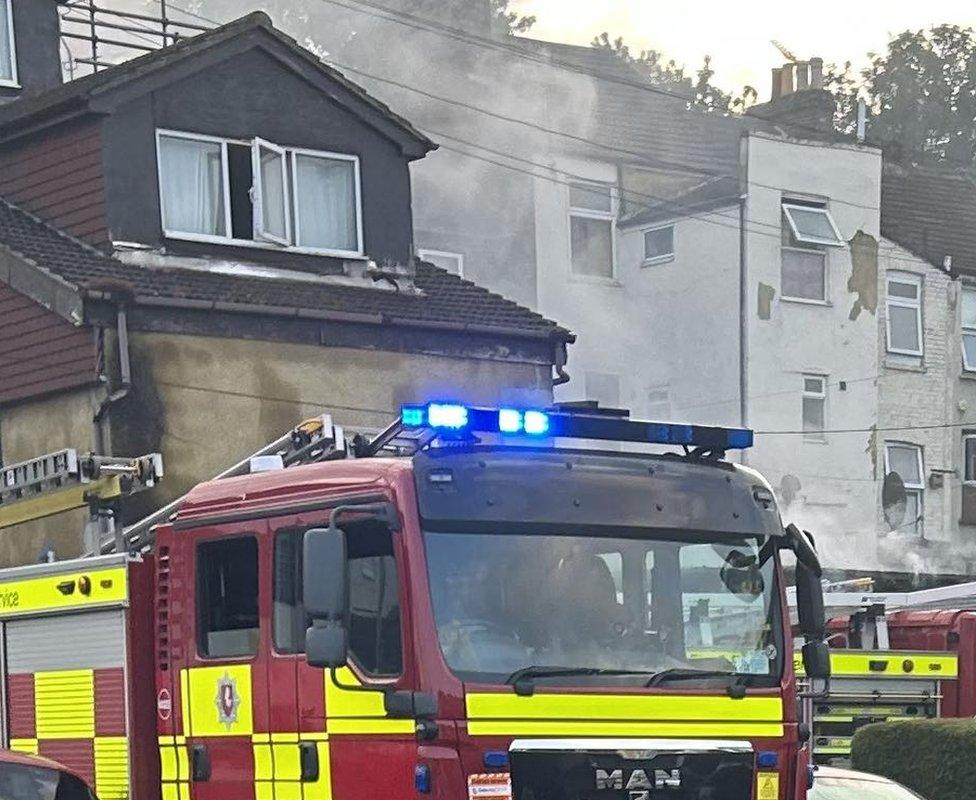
{"type": "Point", "coordinates": [521, 679]}
{"type": "Point", "coordinates": [737, 682]}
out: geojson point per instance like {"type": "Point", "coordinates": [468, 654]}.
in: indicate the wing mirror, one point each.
{"type": "Point", "coordinates": [325, 594]}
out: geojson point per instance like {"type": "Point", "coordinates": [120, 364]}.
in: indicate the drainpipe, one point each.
{"type": "Point", "coordinates": [743, 325]}
{"type": "Point", "coordinates": [559, 362]}
{"type": "Point", "coordinates": [125, 375]}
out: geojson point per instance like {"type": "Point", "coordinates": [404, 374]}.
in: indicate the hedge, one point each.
{"type": "Point", "coordinates": [934, 757]}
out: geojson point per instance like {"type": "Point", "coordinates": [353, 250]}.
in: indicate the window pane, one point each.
{"type": "Point", "coordinates": [969, 445]}
{"type": "Point", "coordinates": [913, 513]}
{"type": "Point", "coordinates": [289, 613]}
{"type": "Point", "coordinates": [812, 223]}
{"type": "Point", "coordinates": [803, 274]}
{"type": "Point", "coordinates": [903, 324]}
{"type": "Point", "coordinates": [659, 243]}
{"type": "Point", "coordinates": [192, 181]}
{"type": "Point", "coordinates": [273, 197]}
{"type": "Point", "coordinates": [902, 289]}
{"type": "Point", "coordinates": [227, 597]}
{"type": "Point", "coordinates": [6, 62]}
{"type": "Point", "coordinates": [374, 599]}
{"type": "Point", "coordinates": [326, 197]}
{"type": "Point", "coordinates": [904, 461]}
{"type": "Point", "coordinates": [592, 243]}
{"type": "Point", "coordinates": [969, 350]}
{"type": "Point", "coordinates": [969, 308]}
{"type": "Point", "coordinates": [814, 385]}
{"type": "Point", "coordinates": [591, 197]}
{"type": "Point", "coordinates": [813, 414]}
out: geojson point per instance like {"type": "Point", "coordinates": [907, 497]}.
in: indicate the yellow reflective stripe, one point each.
{"type": "Point", "coordinates": [263, 763]}
{"type": "Point", "coordinates": [65, 704]}
{"type": "Point", "coordinates": [284, 737]}
{"type": "Point", "coordinates": [168, 769]}
{"type": "Point", "coordinates": [207, 716]}
{"type": "Point", "coordinates": [607, 708]}
{"type": "Point", "coordinates": [112, 767]}
{"type": "Point", "coordinates": [714, 730]}
{"type": "Point", "coordinates": [888, 664]}
{"type": "Point", "coordinates": [24, 746]}
{"type": "Point", "coordinates": [108, 586]}
{"type": "Point", "coordinates": [322, 788]}
{"type": "Point", "coordinates": [370, 726]}
{"type": "Point", "coordinates": [350, 711]}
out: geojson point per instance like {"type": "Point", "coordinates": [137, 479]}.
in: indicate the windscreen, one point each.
{"type": "Point", "coordinates": [605, 605]}
{"type": "Point", "coordinates": [854, 789]}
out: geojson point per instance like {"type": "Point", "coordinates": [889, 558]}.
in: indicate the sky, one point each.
{"type": "Point", "coordinates": [737, 33]}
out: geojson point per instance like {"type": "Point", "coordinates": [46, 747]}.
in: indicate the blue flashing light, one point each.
{"type": "Point", "coordinates": [496, 759]}
{"type": "Point", "coordinates": [447, 415]}
{"type": "Point", "coordinates": [413, 416]}
{"type": "Point", "coordinates": [536, 423]}
{"type": "Point", "coordinates": [571, 424]}
{"type": "Point", "coordinates": [509, 420]}
{"type": "Point", "coordinates": [740, 438]}
{"type": "Point", "coordinates": [767, 759]}
{"type": "Point", "coordinates": [421, 778]}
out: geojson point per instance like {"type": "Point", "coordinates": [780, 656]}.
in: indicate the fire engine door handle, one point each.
{"type": "Point", "coordinates": [201, 763]}
{"type": "Point", "coordinates": [309, 753]}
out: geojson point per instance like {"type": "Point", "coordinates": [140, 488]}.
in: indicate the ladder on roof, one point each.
{"type": "Point", "coordinates": [67, 480]}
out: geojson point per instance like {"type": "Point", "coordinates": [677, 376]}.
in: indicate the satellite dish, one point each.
{"type": "Point", "coordinates": [893, 500]}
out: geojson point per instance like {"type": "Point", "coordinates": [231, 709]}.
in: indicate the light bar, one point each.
{"type": "Point", "coordinates": [458, 418]}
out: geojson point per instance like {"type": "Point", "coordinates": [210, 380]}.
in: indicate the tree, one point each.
{"type": "Point", "coordinates": [509, 21]}
{"type": "Point", "coordinates": [700, 91]}
{"type": "Point", "coordinates": [921, 94]}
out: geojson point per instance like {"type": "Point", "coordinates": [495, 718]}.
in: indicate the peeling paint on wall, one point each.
{"type": "Point", "coordinates": [766, 295]}
{"type": "Point", "coordinates": [872, 451]}
{"type": "Point", "coordinates": [864, 273]}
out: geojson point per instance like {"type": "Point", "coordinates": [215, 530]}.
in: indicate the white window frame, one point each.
{"type": "Point", "coordinates": [789, 208]}
{"type": "Point", "coordinates": [589, 213]}
{"type": "Point", "coordinates": [664, 257]}
{"type": "Point", "coordinates": [967, 437]}
{"type": "Point", "coordinates": [965, 330]}
{"type": "Point", "coordinates": [914, 488]}
{"type": "Point", "coordinates": [290, 175]}
{"type": "Point", "coordinates": [821, 435]}
{"type": "Point", "coordinates": [13, 81]}
{"type": "Point", "coordinates": [904, 302]}
{"type": "Point", "coordinates": [299, 151]}
{"type": "Point", "coordinates": [423, 254]}
{"type": "Point", "coordinates": [257, 192]}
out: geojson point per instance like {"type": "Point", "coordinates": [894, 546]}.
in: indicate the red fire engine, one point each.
{"type": "Point", "coordinates": [459, 607]}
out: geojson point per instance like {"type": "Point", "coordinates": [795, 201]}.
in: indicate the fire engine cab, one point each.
{"type": "Point", "coordinates": [466, 605]}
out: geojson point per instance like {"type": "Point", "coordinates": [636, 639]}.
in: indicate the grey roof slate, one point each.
{"type": "Point", "coordinates": [931, 212]}
{"type": "Point", "coordinates": [447, 299]}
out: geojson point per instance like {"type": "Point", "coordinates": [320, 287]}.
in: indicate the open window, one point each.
{"type": "Point", "coordinates": [812, 224]}
{"type": "Point", "coordinates": [269, 196]}
{"type": "Point", "coordinates": [592, 223]}
{"type": "Point", "coordinates": [8, 54]}
{"type": "Point", "coordinates": [257, 193]}
{"type": "Point", "coordinates": [905, 459]}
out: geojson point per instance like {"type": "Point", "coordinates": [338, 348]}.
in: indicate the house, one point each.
{"type": "Point", "coordinates": [204, 245]}
{"type": "Point", "coordinates": [928, 218]}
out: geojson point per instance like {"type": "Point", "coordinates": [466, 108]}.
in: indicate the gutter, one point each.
{"type": "Point", "coordinates": [338, 316]}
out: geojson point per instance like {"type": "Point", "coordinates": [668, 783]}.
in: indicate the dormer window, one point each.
{"type": "Point", "coordinates": [8, 55]}
{"type": "Point", "coordinates": [258, 193]}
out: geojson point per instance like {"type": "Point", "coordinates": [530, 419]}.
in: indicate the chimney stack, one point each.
{"type": "Point", "coordinates": [36, 30]}
{"type": "Point", "coordinates": [798, 98]}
